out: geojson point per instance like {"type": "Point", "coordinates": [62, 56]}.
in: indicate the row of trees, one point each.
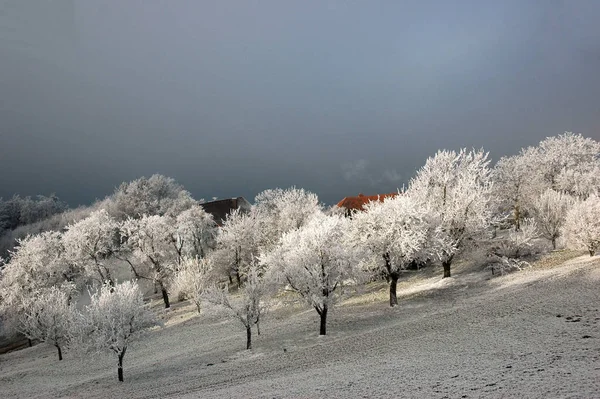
{"type": "Point", "coordinates": [151, 230]}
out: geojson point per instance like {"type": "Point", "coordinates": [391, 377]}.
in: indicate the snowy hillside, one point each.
{"type": "Point", "coordinates": [529, 334]}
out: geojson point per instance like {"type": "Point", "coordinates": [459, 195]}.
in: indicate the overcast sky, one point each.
{"type": "Point", "coordinates": [233, 97]}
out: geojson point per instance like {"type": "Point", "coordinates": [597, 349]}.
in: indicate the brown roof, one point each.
{"type": "Point", "coordinates": [220, 208]}
{"type": "Point", "coordinates": [357, 203]}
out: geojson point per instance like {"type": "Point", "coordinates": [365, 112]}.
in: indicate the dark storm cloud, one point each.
{"type": "Point", "coordinates": [232, 97]}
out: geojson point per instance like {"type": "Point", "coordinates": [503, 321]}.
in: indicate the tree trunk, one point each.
{"type": "Point", "coordinates": [553, 242]}
{"type": "Point", "coordinates": [31, 343]}
{"type": "Point", "coordinates": [446, 265]}
{"type": "Point", "coordinates": [323, 314]}
{"type": "Point", "coordinates": [517, 218]}
{"type": "Point", "coordinates": [393, 284]}
{"type": "Point", "coordinates": [257, 324]}
{"type": "Point", "coordinates": [59, 352]}
{"type": "Point", "coordinates": [592, 252]}
{"type": "Point", "coordinates": [165, 296]}
{"type": "Point", "coordinates": [120, 367]}
{"type": "Point", "coordinates": [238, 279]}
{"type": "Point", "coordinates": [249, 336]}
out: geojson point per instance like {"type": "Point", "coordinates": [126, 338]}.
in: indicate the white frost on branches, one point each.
{"type": "Point", "coordinates": [314, 261]}
{"type": "Point", "coordinates": [396, 233]}
{"type": "Point", "coordinates": [91, 242]}
{"type": "Point", "coordinates": [582, 227]}
{"type": "Point", "coordinates": [114, 317]}
{"type": "Point", "coordinates": [48, 317]}
{"type": "Point", "coordinates": [456, 188]}
{"type": "Point", "coordinates": [550, 211]}
{"type": "Point", "coordinates": [248, 305]}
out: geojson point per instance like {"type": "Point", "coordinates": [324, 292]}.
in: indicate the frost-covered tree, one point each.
{"type": "Point", "coordinates": [281, 210]}
{"type": "Point", "coordinates": [237, 244]}
{"type": "Point", "coordinates": [550, 211]}
{"type": "Point", "coordinates": [569, 163]}
{"type": "Point", "coordinates": [249, 303]}
{"type": "Point", "coordinates": [455, 187]}
{"type": "Point", "coordinates": [36, 265]}
{"type": "Point", "coordinates": [91, 242]}
{"type": "Point", "coordinates": [149, 241]}
{"type": "Point", "coordinates": [157, 195]}
{"type": "Point", "coordinates": [114, 317]}
{"type": "Point", "coordinates": [196, 231]}
{"type": "Point", "coordinates": [513, 184]}
{"type": "Point", "coordinates": [314, 261]}
{"type": "Point", "coordinates": [396, 233]}
{"type": "Point", "coordinates": [582, 226]}
{"type": "Point", "coordinates": [48, 317]}
{"type": "Point", "coordinates": [192, 279]}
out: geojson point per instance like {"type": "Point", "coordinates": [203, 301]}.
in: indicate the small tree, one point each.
{"type": "Point", "coordinates": [248, 307]}
{"type": "Point", "coordinates": [582, 228]}
{"type": "Point", "coordinates": [114, 317]}
{"type": "Point", "coordinates": [550, 211]}
{"type": "Point", "coordinates": [193, 278]}
{"type": "Point", "coordinates": [314, 261]}
{"type": "Point", "coordinates": [48, 317]}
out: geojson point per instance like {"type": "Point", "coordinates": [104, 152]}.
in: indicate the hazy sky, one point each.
{"type": "Point", "coordinates": [233, 97]}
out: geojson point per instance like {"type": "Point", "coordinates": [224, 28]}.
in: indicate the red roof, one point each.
{"type": "Point", "coordinates": [358, 203]}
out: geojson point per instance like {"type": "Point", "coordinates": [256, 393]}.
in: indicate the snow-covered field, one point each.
{"type": "Point", "coordinates": [530, 334]}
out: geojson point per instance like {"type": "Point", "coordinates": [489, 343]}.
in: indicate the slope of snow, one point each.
{"type": "Point", "coordinates": [529, 334]}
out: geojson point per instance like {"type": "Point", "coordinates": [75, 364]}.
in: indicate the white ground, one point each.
{"type": "Point", "coordinates": [468, 336]}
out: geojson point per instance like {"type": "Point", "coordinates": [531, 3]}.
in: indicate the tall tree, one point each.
{"type": "Point", "coordinates": [455, 186]}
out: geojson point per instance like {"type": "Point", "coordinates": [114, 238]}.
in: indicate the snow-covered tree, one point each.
{"type": "Point", "coordinates": [114, 317]}
{"type": "Point", "coordinates": [91, 242]}
{"type": "Point", "coordinates": [314, 261]}
{"type": "Point", "coordinates": [570, 163]}
{"type": "Point", "coordinates": [157, 195]}
{"type": "Point", "coordinates": [281, 210]}
{"type": "Point", "coordinates": [192, 279]}
{"type": "Point", "coordinates": [249, 303]}
{"type": "Point", "coordinates": [550, 211]}
{"type": "Point", "coordinates": [196, 230]}
{"type": "Point", "coordinates": [150, 241]}
{"type": "Point", "coordinates": [582, 226]}
{"type": "Point", "coordinates": [237, 244]}
{"type": "Point", "coordinates": [513, 184]}
{"type": "Point", "coordinates": [36, 264]}
{"type": "Point", "coordinates": [396, 233]}
{"type": "Point", "coordinates": [456, 189]}
{"type": "Point", "coordinates": [48, 317]}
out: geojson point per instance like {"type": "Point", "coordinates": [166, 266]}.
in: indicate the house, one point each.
{"type": "Point", "coordinates": [221, 208]}
{"type": "Point", "coordinates": [355, 204]}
